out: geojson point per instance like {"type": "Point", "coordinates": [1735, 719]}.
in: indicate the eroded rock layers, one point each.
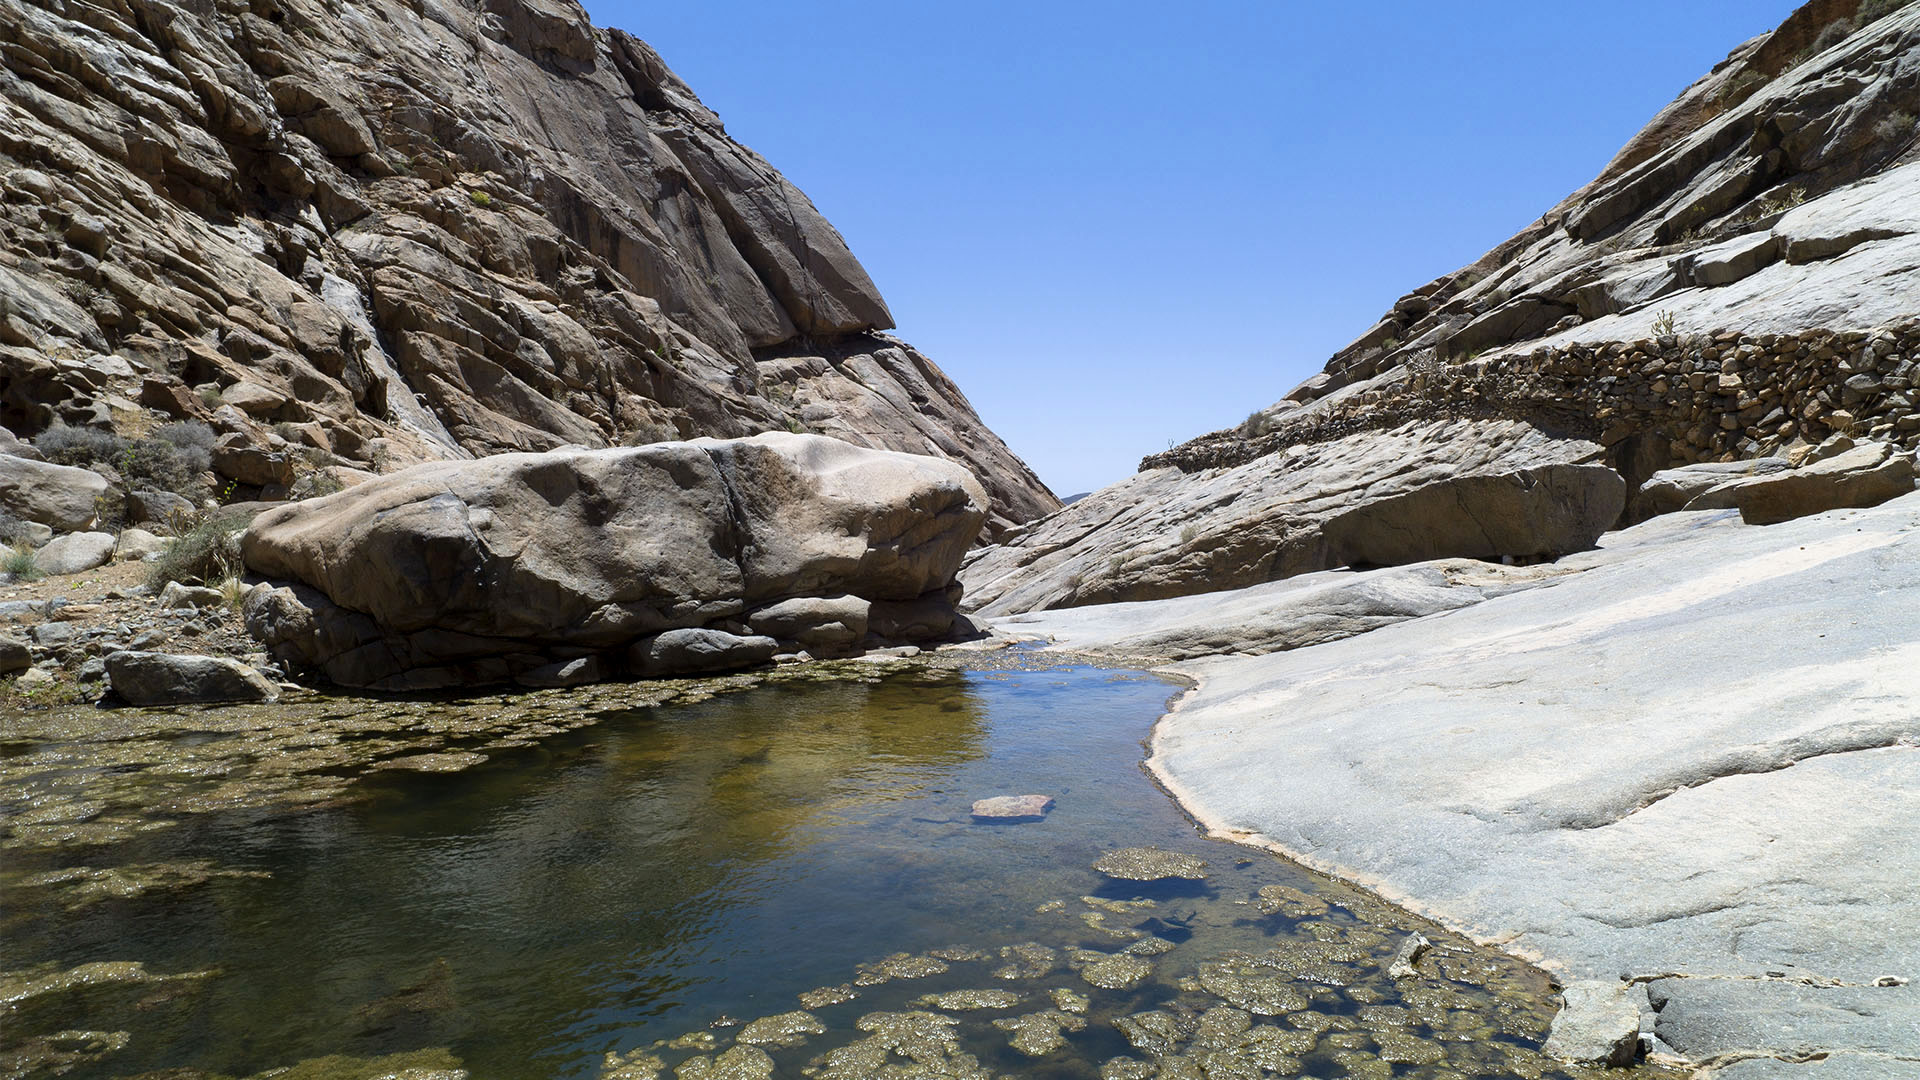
{"type": "Point", "coordinates": [402, 231]}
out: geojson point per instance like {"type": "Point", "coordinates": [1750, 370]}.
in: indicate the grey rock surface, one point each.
{"type": "Point", "coordinates": [1424, 490]}
{"type": "Point", "coordinates": [1676, 489]}
{"type": "Point", "coordinates": [1694, 759]}
{"type": "Point", "coordinates": [461, 572]}
{"type": "Point", "coordinates": [133, 545]}
{"type": "Point", "coordinates": [698, 651]}
{"type": "Point", "coordinates": [75, 553]}
{"type": "Point", "coordinates": [1598, 1024]}
{"type": "Point", "coordinates": [148, 678]}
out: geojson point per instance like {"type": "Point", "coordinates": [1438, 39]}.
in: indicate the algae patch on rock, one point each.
{"type": "Point", "coordinates": [1150, 864]}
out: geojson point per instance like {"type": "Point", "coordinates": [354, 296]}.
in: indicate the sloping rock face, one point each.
{"type": "Point", "coordinates": [1422, 491]}
{"type": "Point", "coordinates": [431, 229]}
{"type": "Point", "coordinates": [1740, 281]}
{"type": "Point", "coordinates": [456, 573]}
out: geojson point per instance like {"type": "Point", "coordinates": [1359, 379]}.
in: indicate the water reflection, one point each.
{"type": "Point", "coordinates": [669, 867]}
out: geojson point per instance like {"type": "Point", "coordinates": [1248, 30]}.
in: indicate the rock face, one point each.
{"type": "Point", "coordinates": [664, 558]}
{"type": "Point", "coordinates": [1421, 491]}
{"type": "Point", "coordinates": [423, 230]}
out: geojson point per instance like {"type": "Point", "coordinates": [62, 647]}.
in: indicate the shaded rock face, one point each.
{"type": "Point", "coordinates": [657, 559]}
{"type": "Point", "coordinates": [433, 230]}
{"type": "Point", "coordinates": [1422, 491]}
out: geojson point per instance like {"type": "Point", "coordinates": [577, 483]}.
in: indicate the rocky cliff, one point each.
{"type": "Point", "coordinates": [1739, 281]}
{"type": "Point", "coordinates": [401, 230]}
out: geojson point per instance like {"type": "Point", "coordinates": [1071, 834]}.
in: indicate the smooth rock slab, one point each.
{"type": "Point", "coordinates": [1013, 807]}
{"type": "Point", "coordinates": [147, 678]}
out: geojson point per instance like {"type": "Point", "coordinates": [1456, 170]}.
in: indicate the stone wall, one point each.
{"type": "Point", "coordinates": [1655, 403]}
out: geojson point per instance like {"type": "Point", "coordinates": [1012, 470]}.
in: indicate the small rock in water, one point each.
{"type": "Point", "coordinates": [1013, 808]}
{"type": "Point", "coordinates": [1150, 864]}
{"type": "Point", "coordinates": [1411, 950]}
{"type": "Point", "coordinates": [959, 954]}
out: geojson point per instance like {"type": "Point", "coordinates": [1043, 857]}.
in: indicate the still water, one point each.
{"type": "Point", "coordinates": [676, 871]}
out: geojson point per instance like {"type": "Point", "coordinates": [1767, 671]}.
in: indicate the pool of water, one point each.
{"type": "Point", "coordinates": [623, 899]}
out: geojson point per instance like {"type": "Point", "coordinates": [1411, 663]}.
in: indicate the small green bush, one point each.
{"type": "Point", "coordinates": [480, 198]}
{"type": "Point", "coordinates": [1875, 9]}
{"type": "Point", "coordinates": [205, 552]}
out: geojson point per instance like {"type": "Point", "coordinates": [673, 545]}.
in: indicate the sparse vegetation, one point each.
{"type": "Point", "coordinates": [1898, 125]}
{"type": "Point", "coordinates": [1832, 34]}
{"type": "Point", "coordinates": [1741, 87]}
{"type": "Point", "coordinates": [1876, 9]}
{"type": "Point", "coordinates": [206, 551]}
{"type": "Point", "coordinates": [78, 447]}
{"type": "Point", "coordinates": [233, 591]}
{"type": "Point", "coordinates": [480, 198]}
{"type": "Point", "coordinates": [20, 563]}
{"type": "Point", "coordinates": [1663, 324]}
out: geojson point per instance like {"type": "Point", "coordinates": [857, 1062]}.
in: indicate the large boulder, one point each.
{"type": "Point", "coordinates": [57, 495]}
{"type": "Point", "coordinates": [75, 553]}
{"type": "Point", "coordinates": [1425, 490]}
{"type": "Point", "coordinates": [478, 571]}
{"type": "Point", "coordinates": [151, 678]}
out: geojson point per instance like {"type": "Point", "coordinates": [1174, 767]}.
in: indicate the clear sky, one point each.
{"type": "Point", "coordinates": [1121, 225]}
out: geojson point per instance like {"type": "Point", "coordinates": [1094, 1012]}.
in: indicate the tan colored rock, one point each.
{"type": "Point", "coordinates": [469, 570]}
{"type": "Point", "coordinates": [56, 495]}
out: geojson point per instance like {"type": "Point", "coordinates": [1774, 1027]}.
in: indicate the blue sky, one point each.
{"type": "Point", "coordinates": [1121, 225]}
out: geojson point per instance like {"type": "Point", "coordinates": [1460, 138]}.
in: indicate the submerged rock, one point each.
{"type": "Point", "coordinates": [1013, 807]}
{"type": "Point", "coordinates": [1150, 864]}
{"type": "Point", "coordinates": [1114, 971]}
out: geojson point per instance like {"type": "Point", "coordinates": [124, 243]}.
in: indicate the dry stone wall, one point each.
{"type": "Point", "coordinates": [1656, 403]}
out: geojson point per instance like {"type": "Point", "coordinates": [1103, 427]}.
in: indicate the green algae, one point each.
{"type": "Point", "coordinates": [1150, 864]}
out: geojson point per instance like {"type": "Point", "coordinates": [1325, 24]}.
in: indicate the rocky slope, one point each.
{"type": "Point", "coordinates": [1740, 280]}
{"type": "Point", "coordinates": [400, 231]}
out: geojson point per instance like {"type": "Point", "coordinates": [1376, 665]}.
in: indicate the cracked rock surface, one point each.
{"type": "Point", "coordinates": [1691, 758]}
{"type": "Point", "coordinates": [420, 230]}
